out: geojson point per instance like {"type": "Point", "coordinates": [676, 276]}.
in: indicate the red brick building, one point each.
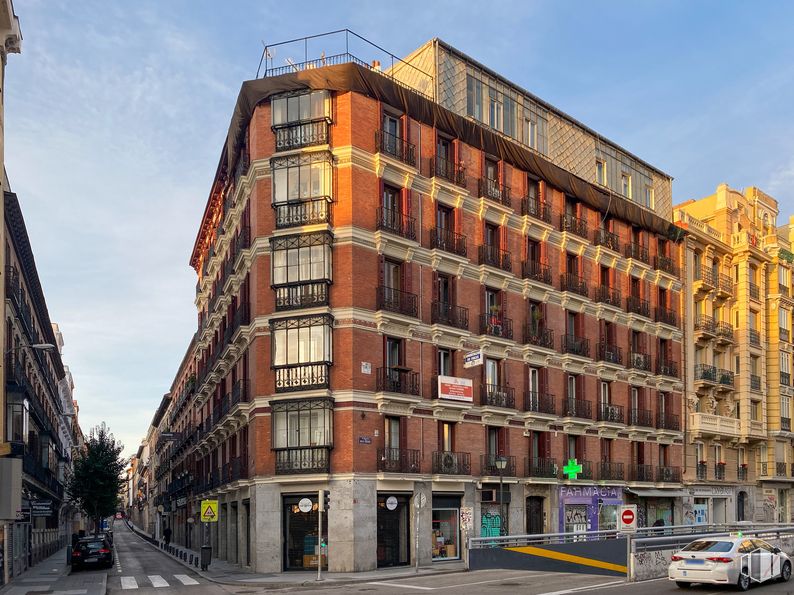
{"type": "Point", "coordinates": [365, 230]}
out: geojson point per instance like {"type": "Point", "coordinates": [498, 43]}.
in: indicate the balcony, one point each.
{"type": "Point", "coordinates": [395, 147]}
{"type": "Point", "coordinates": [451, 463]}
{"type": "Point", "coordinates": [538, 402]}
{"type": "Point", "coordinates": [641, 472]}
{"type": "Point", "coordinates": [706, 278]}
{"type": "Point", "coordinates": [536, 271]}
{"type": "Point", "coordinates": [541, 467]}
{"type": "Point", "coordinates": [666, 367]}
{"type": "Point", "coordinates": [536, 208]}
{"type": "Point", "coordinates": [494, 190]}
{"type": "Point", "coordinates": [574, 225]}
{"type": "Point", "coordinates": [641, 418]}
{"type": "Point", "coordinates": [609, 471]}
{"type": "Point", "coordinates": [398, 460]}
{"type": "Point", "coordinates": [535, 334]}
{"type": "Point", "coordinates": [783, 334]}
{"type": "Point", "coordinates": [741, 472]}
{"type": "Point", "coordinates": [667, 316]}
{"type": "Point", "coordinates": [724, 332]}
{"type": "Point", "coordinates": [448, 241]}
{"type": "Point", "coordinates": [608, 295]}
{"type": "Point", "coordinates": [495, 257]}
{"type": "Point", "coordinates": [668, 474]}
{"type": "Point", "coordinates": [707, 424]}
{"type": "Point", "coordinates": [393, 221]}
{"type": "Point", "coordinates": [575, 345]}
{"type": "Point", "coordinates": [702, 471]}
{"type": "Point", "coordinates": [639, 361]}
{"type": "Point", "coordinates": [496, 325]}
{"type": "Point", "coordinates": [668, 421]}
{"type": "Point", "coordinates": [725, 377]}
{"type": "Point", "coordinates": [488, 466]}
{"type": "Point", "coordinates": [297, 135]}
{"type": "Point", "coordinates": [637, 252]}
{"type": "Point", "coordinates": [785, 424]}
{"type": "Point", "coordinates": [705, 373]}
{"type": "Point", "coordinates": [396, 300]}
{"type": "Point", "coordinates": [574, 283]}
{"type": "Point", "coordinates": [610, 413]}
{"type": "Point", "coordinates": [755, 382]}
{"type": "Point", "coordinates": [497, 395]}
{"type": "Point", "coordinates": [666, 264]}
{"type": "Point", "coordinates": [785, 378]}
{"type": "Point", "coordinates": [449, 170]}
{"type": "Point", "coordinates": [637, 305]}
{"type": "Point", "coordinates": [724, 286]}
{"type": "Point", "coordinates": [755, 338]}
{"type": "Point", "coordinates": [755, 291]}
{"type": "Point", "coordinates": [302, 377]}
{"type": "Point", "coordinates": [301, 295]}
{"type": "Point", "coordinates": [314, 459]}
{"type": "Point", "coordinates": [607, 239]}
{"type": "Point", "coordinates": [235, 470]}
{"type": "Point", "coordinates": [576, 408]}
{"type": "Point", "coordinates": [610, 353]}
{"type": "Point", "coordinates": [706, 325]}
{"type": "Point", "coordinates": [397, 380]}
{"type": "Point", "coordinates": [449, 315]}
{"type": "Point", "coordinates": [303, 212]}
{"type": "Point", "coordinates": [780, 469]}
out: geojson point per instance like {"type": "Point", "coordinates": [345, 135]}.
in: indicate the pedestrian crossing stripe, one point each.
{"type": "Point", "coordinates": [156, 581]}
{"type": "Point", "coordinates": [208, 508]}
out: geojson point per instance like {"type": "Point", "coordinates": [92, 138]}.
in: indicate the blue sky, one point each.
{"type": "Point", "coordinates": [116, 111]}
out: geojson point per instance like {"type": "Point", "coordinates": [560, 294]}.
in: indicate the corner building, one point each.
{"type": "Point", "coordinates": [365, 230]}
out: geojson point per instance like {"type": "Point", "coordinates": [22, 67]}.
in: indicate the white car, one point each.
{"type": "Point", "coordinates": [734, 560]}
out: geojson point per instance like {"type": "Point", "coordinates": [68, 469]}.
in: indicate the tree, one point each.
{"type": "Point", "coordinates": [97, 476]}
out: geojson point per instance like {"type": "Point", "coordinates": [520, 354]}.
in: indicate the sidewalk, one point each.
{"type": "Point", "coordinates": [229, 574]}
{"type": "Point", "coordinates": [52, 575]}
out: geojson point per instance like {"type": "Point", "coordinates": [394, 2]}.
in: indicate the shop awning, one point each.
{"type": "Point", "coordinates": [652, 493]}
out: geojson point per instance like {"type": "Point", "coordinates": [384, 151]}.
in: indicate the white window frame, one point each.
{"type": "Point", "coordinates": [625, 184]}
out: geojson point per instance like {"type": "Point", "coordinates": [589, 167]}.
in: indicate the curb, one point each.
{"type": "Point", "coordinates": [291, 585]}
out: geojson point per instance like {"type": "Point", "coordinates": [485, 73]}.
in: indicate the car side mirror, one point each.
{"type": "Point", "coordinates": [775, 550]}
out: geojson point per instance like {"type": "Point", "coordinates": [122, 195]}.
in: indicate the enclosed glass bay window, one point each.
{"type": "Point", "coordinates": [301, 108]}
{"type": "Point", "coordinates": [302, 177]}
{"type": "Point", "coordinates": [306, 423]}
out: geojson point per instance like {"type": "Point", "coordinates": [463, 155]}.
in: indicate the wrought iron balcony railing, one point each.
{"type": "Point", "coordinates": [610, 353]}
{"type": "Point", "coordinates": [450, 315]}
{"type": "Point", "coordinates": [296, 135]}
{"type": "Point", "coordinates": [397, 380]}
{"type": "Point", "coordinates": [755, 382]}
{"type": "Point", "coordinates": [666, 316]}
{"type": "Point", "coordinates": [489, 467]}
{"type": "Point", "coordinates": [725, 331]}
{"type": "Point", "coordinates": [705, 275]}
{"type": "Point", "coordinates": [702, 471]}
{"type": "Point", "coordinates": [608, 295]}
{"type": "Point", "coordinates": [301, 295]}
{"type": "Point", "coordinates": [575, 345]}
{"type": "Point", "coordinates": [575, 283]}
{"type": "Point", "coordinates": [576, 408]}
{"type": "Point", "coordinates": [539, 336]}
{"type": "Point", "coordinates": [639, 361]}
{"type": "Point", "coordinates": [574, 225]}
{"type": "Point", "coordinates": [395, 222]}
{"type": "Point", "coordinates": [536, 208]}
{"type": "Point", "coordinates": [448, 240]}
{"type": "Point", "coordinates": [396, 300]}
{"type": "Point", "coordinates": [303, 212]}
{"type": "Point", "coordinates": [452, 463]}
{"type": "Point", "coordinates": [302, 377]}
{"type": "Point", "coordinates": [497, 395]}
{"type": "Point", "coordinates": [541, 467]}
{"type": "Point", "coordinates": [705, 372]}
{"type": "Point", "coordinates": [310, 459]}
{"type": "Point", "coordinates": [668, 421]}
{"type": "Point", "coordinates": [637, 305]}
{"type": "Point", "coordinates": [609, 471]}
{"type": "Point", "coordinates": [398, 460]}
{"type": "Point", "coordinates": [449, 170]}
{"type": "Point", "coordinates": [724, 377]}
{"type": "Point", "coordinates": [495, 257]}
{"type": "Point", "coordinates": [719, 470]}
{"type": "Point", "coordinates": [785, 378]}
{"type": "Point", "coordinates": [398, 148]}
{"type": "Point", "coordinates": [755, 291]}
{"type": "Point", "coordinates": [611, 413]}
{"type": "Point", "coordinates": [666, 264]}
{"type": "Point", "coordinates": [539, 402]}
{"type": "Point", "coordinates": [607, 239]}
{"type": "Point", "coordinates": [637, 252]}
{"type": "Point", "coordinates": [496, 325]}
{"type": "Point", "coordinates": [641, 472]}
{"type": "Point", "coordinates": [755, 337]}
{"type": "Point", "coordinates": [641, 418]}
{"type": "Point", "coordinates": [705, 324]}
{"type": "Point", "coordinates": [536, 271]}
{"type": "Point", "coordinates": [495, 190]}
{"type": "Point", "coordinates": [666, 367]}
{"type": "Point", "coordinates": [668, 474]}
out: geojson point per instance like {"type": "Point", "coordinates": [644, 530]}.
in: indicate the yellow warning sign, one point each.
{"type": "Point", "coordinates": [209, 511]}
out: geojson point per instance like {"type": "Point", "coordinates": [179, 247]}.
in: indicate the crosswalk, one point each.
{"type": "Point", "coordinates": [156, 580]}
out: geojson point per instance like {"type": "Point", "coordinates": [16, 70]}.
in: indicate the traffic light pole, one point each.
{"type": "Point", "coordinates": [320, 509]}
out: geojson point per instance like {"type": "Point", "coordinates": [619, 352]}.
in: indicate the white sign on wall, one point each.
{"type": "Point", "coordinates": [455, 389]}
{"type": "Point", "coordinates": [473, 358]}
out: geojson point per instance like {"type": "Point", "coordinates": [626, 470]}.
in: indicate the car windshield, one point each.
{"type": "Point", "coordinates": [92, 545]}
{"type": "Point", "coordinates": [709, 546]}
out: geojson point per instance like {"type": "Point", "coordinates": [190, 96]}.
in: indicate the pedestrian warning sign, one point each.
{"type": "Point", "coordinates": [209, 511]}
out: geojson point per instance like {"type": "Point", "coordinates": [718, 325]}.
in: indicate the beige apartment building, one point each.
{"type": "Point", "coordinates": [737, 321]}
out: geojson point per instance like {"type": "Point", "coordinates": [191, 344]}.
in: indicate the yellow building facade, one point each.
{"type": "Point", "coordinates": [737, 323]}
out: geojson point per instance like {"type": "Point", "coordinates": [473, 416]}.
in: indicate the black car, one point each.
{"type": "Point", "coordinates": [92, 552]}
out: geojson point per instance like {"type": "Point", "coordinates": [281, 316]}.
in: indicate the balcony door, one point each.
{"type": "Point", "coordinates": [393, 353]}
{"type": "Point", "coordinates": [392, 128]}
{"type": "Point", "coordinates": [445, 218]}
{"type": "Point", "coordinates": [392, 278]}
{"type": "Point", "coordinates": [444, 289]}
{"type": "Point", "coordinates": [492, 372]}
{"type": "Point", "coordinates": [446, 436]}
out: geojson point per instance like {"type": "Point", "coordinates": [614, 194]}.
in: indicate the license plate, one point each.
{"type": "Point", "coordinates": [695, 562]}
{"type": "Point", "coordinates": [91, 560]}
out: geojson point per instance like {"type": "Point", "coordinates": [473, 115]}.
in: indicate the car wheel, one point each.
{"type": "Point", "coordinates": [682, 585]}
{"type": "Point", "coordinates": [744, 580]}
{"type": "Point", "coordinates": [785, 572]}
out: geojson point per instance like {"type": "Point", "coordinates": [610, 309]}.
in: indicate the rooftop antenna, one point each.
{"type": "Point", "coordinates": [291, 63]}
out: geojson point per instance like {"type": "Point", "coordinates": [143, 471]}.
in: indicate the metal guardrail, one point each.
{"type": "Point", "coordinates": [650, 543]}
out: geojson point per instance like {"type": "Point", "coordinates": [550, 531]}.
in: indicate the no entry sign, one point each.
{"type": "Point", "coordinates": [627, 518]}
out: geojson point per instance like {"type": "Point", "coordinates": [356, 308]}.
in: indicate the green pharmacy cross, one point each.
{"type": "Point", "coordinates": [572, 469]}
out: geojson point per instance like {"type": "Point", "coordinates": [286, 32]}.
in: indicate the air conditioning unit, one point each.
{"type": "Point", "coordinates": [449, 464]}
{"type": "Point", "coordinates": [488, 495]}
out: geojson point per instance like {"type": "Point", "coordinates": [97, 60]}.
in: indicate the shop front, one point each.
{"type": "Point", "coordinates": [655, 507]}
{"type": "Point", "coordinates": [709, 505]}
{"type": "Point", "coordinates": [301, 543]}
{"type": "Point", "coordinates": [589, 508]}
{"type": "Point", "coordinates": [446, 527]}
{"type": "Point", "coordinates": [494, 510]}
{"type": "Point", "coordinates": [394, 534]}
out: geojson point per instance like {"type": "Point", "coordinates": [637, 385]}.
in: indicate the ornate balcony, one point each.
{"type": "Point", "coordinates": [397, 380]}
{"type": "Point", "coordinates": [639, 361]}
{"type": "Point", "coordinates": [637, 305]}
{"type": "Point", "coordinates": [610, 353]}
{"type": "Point", "coordinates": [668, 474]}
{"type": "Point", "coordinates": [725, 332]}
{"type": "Point", "coordinates": [725, 377]}
{"type": "Point", "coordinates": [641, 418]}
{"type": "Point", "coordinates": [637, 252]}
{"type": "Point", "coordinates": [536, 271]}
{"type": "Point", "coordinates": [705, 373]}
{"type": "Point", "coordinates": [667, 316]}
{"type": "Point", "coordinates": [755, 382]}
{"type": "Point", "coordinates": [608, 295]}
{"type": "Point", "coordinates": [785, 378]}
{"type": "Point", "coordinates": [303, 212]}
{"type": "Point", "coordinates": [719, 471]}
{"type": "Point", "coordinates": [536, 208]}
{"type": "Point", "coordinates": [496, 325]}
{"type": "Point", "coordinates": [663, 263]}
{"type": "Point", "coordinates": [609, 471]}
{"type": "Point", "coordinates": [755, 338]}
{"type": "Point", "coordinates": [541, 467]}
{"type": "Point", "coordinates": [668, 421]}
{"type": "Point", "coordinates": [706, 277]}
{"type": "Point", "coordinates": [741, 472]}
{"type": "Point", "coordinates": [296, 135]}
{"type": "Point", "coordinates": [396, 300]}
{"type": "Point", "coordinates": [302, 377]}
{"type": "Point", "coordinates": [449, 315]}
{"type": "Point", "coordinates": [301, 295]}
{"type": "Point", "coordinates": [610, 413]}
{"type": "Point", "coordinates": [497, 395]}
{"type": "Point", "coordinates": [495, 190]}
{"type": "Point", "coordinates": [576, 408]}
{"type": "Point", "coordinates": [607, 239]}
{"type": "Point", "coordinates": [538, 402]}
{"type": "Point", "coordinates": [395, 147]}
{"type": "Point", "coordinates": [574, 283]}
{"type": "Point", "coordinates": [488, 465]}
{"type": "Point", "coordinates": [702, 471]}
{"type": "Point", "coordinates": [705, 324]}
{"type": "Point", "coordinates": [537, 335]}
{"type": "Point", "coordinates": [393, 221]}
{"type": "Point", "coordinates": [449, 170]}
{"type": "Point", "coordinates": [666, 367]}
{"type": "Point", "coordinates": [314, 459]}
{"type": "Point", "coordinates": [448, 240]}
{"type": "Point", "coordinates": [574, 225]}
{"type": "Point", "coordinates": [575, 345]}
{"type": "Point", "coordinates": [451, 463]}
{"type": "Point", "coordinates": [641, 472]}
{"type": "Point", "coordinates": [725, 285]}
{"type": "Point", "coordinates": [755, 291]}
{"type": "Point", "coordinates": [495, 257]}
{"type": "Point", "coordinates": [398, 460]}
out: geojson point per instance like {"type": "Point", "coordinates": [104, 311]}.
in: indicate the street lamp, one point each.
{"type": "Point", "coordinates": [34, 346]}
{"type": "Point", "coordinates": [501, 463]}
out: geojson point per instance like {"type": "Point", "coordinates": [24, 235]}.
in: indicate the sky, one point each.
{"type": "Point", "coordinates": [116, 113]}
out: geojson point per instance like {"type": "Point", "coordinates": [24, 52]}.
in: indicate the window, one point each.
{"type": "Point", "coordinates": [601, 172]}
{"type": "Point", "coordinates": [393, 356]}
{"type": "Point", "coordinates": [782, 276]}
{"type": "Point", "coordinates": [392, 275]}
{"type": "Point", "coordinates": [605, 392]}
{"type": "Point", "coordinates": [509, 117]}
{"type": "Point", "coordinates": [301, 108]}
{"type": "Point", "coordinates": [492, 375]}
{"type": "Point", "coordinates": [783, 318]}
{"type": "Point", "coordinates": [784, 362]}
{"type": "Point", "coordinates": [718, 453]}
{"type": "Point", "coordinates": [391, 126]}
{"type": "Point", "coordinates": [444, 362]}
{"type": "Point", "coordinates": [664, 455]}
{"type": "Point", "coordinates": [443, 149]}
{"type": "Point", "coordinates": [473, 97]}
{"type": "Point", "coordinates": [649, 199]}
{"type": "Point", "coordinates": [785, 407]}
{"type": "Point", "coordinates": [446, 435]}
{"type": "Point", "coordinates": [700, 452]}
{"type": "Point", "coordinates": [301, 178]}
{"type": "Point", "coordinates": [755, 410]}
{"type": "Point", "coordinates": [444, 289]}
{"type": "Point", "coordinates": [625, 185]}
{"type": "Point", "coordinates": [495, 441]}
{"type": "Point", "coordinates": [391, 432]}
{"type": "Point", "coordinates": [301, 258]}
{"type": "Point", "coordinates": [494, 108]}
{"type": "Point", "coordinates": [301, 340]}
{"type": "Point", "coordinates": [530, 132]}
{"type": "Point", "coordinates": [303, 423]}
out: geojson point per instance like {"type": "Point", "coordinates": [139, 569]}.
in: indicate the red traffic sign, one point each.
{"type": "Point", "coordinates": [627, 517]}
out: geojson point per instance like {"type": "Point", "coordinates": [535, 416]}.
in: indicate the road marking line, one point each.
{"type": "Point", "coordinates": [157, 580]}
{"type": "Point", "coordinates": [185, 579]}
{"type": "Point", "coordinates": [581, 560]}
{"type": "Point", "coordinates": [461, 585]}
{"type": "Point", "coordinates": [588, 588]}
{"type": "Point", "coordinates": [129, 582]}
{"type": "Point", "coordinates": [387, 584]}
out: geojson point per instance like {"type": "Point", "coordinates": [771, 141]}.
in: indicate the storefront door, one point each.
{"type": "Point", "coordinates": [534, 515]}
{"type": "Point", "coordinates": [301, 549]}
{"type": "Point", "coordinates": [446, 528]}
{"type": "Point", "coordinates": [393, 530]}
